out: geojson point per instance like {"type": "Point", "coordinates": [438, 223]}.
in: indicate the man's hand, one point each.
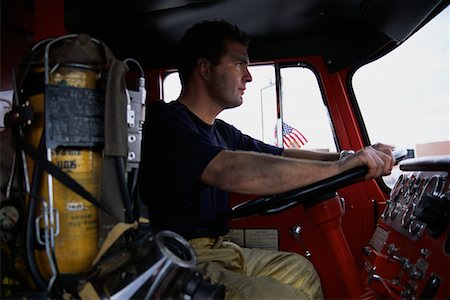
{"type": "Point", "coordinates": [378, 158]}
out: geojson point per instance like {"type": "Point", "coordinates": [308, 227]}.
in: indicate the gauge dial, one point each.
{"type": "Point", "coordinates": [419, 188]}
{"type": "Point", "coordinates": [434, 187]}
{"type": "Point", "coordinates": [408, 215]}
{"type": "Point", "coordinates": [416, 228]}
{"type": "Point", "coordinates": [397, 190]}
{"type": "Point", "coordinates": [393, 210]}
{"type": "Point", "coordinates": [10, 216]}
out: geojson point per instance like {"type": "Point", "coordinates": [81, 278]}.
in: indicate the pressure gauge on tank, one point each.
{"type": "Point", "coordinates": [10, 216]}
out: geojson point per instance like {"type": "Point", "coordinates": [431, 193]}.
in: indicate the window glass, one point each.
{"type": "Point", "coordinates": [5, 106]}
{"type": "Point", "coordinates": [171, 87]}
{"type": "Point", "coordinates": [302, 106]}
{"type": "Point", "coordinates": [404, 96]}
{"type": "Point", "coordinates": [257, 114]}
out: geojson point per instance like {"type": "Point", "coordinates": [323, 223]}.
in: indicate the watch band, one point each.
{"type": "Point", "coordinates": [344, 153]}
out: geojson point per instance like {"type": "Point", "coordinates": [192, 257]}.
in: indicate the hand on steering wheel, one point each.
{"type": "Point", "coordinates": [378, 158]}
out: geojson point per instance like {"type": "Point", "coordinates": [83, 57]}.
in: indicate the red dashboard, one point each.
{"type": "Point", "coordinates": [408, 256]}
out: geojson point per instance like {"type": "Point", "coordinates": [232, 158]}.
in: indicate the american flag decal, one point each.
{"type": "Point", "coordinates": [292, 138]}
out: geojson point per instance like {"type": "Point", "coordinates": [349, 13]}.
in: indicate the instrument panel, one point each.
{"type": "Point", "coordinates": [408, 256]}
{"type": "Point", "coordinates": [415, 201]}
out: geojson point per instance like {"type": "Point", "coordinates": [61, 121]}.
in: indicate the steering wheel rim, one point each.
{"type": "Point", "coordinates": [307, 195]}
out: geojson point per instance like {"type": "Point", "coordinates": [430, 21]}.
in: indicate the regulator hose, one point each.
{"type": "Point", "coordinates": [30, 236]}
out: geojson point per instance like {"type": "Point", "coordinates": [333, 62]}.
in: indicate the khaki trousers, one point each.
{"type": "Point", "coordinates": [256, 273]}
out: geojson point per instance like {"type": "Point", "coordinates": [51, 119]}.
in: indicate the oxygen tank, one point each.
{"type": "Point", "coordinates": [71, 220]}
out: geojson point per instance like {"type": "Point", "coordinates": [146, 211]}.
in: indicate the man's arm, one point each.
{"type": "Point", "coordinates": [256, 173]}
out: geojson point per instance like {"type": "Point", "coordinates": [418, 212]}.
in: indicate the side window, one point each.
{"type": "Point", "coordinates": [304, 109]}
{"type": "Point", "coordinates": [303, 113]}
{"type": "Point", "coordinates": [257, 114]}
{"type": "Point", "coordinates": [171, 87]}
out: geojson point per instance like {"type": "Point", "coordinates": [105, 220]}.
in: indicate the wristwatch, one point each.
{"type": "Point", "coordinates": [344, 153]}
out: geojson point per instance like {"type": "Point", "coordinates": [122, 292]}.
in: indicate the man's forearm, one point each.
{"type": "Point", "coordinates": [256, 173]}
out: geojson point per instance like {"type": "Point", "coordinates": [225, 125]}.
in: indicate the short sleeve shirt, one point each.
{"type": "Point", "coordinates": [177, 148]}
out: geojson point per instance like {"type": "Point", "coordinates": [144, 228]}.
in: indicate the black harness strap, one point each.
{"type": "Point", "coordinates": [61, 176]}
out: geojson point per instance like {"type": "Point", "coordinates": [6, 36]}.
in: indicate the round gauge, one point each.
{"type": "Point", "coordinates": [408, 215]}
{"type": "Point", "coordinates": [409, 188]}
{"type": "Point", "coordinates": [393, 210]}
{"type": "Point", "coordinates": [413, 187]}
{"type": "Point", "coordinates": [388, 209]}
{"type": "Point", "coordinates": [434, 187]}
{"type": "Point", "coordinates": [397, 189]}
{"type": "Point", "coordinates": [419, 187]}
{"type": "Point", "coordinates": [10, 216]}
{"type": "Point", "coordinates": [416, 228]}
{"type": "Point", "coordinates": [404, 187]}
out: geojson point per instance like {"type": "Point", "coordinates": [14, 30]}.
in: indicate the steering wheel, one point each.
{"type": "Point", "coordinates": [308, 195]}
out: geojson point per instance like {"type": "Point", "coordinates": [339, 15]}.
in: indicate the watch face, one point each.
{"type": "Point", "coordinates": [9, 217]}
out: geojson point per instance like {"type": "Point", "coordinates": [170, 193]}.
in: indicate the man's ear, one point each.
{"type": "Point", "coordinates": [204, 67]}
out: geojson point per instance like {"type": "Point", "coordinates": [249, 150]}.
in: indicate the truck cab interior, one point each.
{"type": "Point", "coordinates": [386, 238]}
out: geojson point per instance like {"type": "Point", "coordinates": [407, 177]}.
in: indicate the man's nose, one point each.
{"type": "Point", "coordinates": [248, 76]}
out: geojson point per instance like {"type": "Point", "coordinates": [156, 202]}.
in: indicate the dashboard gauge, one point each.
{"type": "Point", "coordinates": [408, 215]}
{"type": "Point", "coordinates": [419, 188]}
{"type": "Point", "coordinates": [404, 190]}
{"type": "Point", "coordinates": [416, 228]}
{"type": "Point", "coordinates": [10, 216]}
{"type": "Point", "coordinates": [413, 188]}
{"type": "Point", "coordinates": [397, 189]}
{"type": "Point", "coordinates": [434, 187]}
{"type": "Point", "coordinates": [393, 210]}
{"type": "Point", "coordinates": [409, 188]}
{"type": "Point", "coordinates": [387, 209]}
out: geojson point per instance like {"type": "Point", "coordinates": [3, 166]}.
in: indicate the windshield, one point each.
{"type": "Point", "coordinates": [404, 96]}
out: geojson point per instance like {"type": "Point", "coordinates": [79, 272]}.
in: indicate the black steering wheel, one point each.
{"type": "Point", "coordinates": [308, 195]}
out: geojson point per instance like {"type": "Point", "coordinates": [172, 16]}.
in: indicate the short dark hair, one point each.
{"type": "Point", "coordinates": [206, 39]}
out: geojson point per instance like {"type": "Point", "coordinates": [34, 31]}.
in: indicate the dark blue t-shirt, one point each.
{"type": "Point", "coordinates": [177, 148]}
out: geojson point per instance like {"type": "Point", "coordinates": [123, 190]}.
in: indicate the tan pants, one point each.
{"type": "Point", "coordinates": [256, 273]}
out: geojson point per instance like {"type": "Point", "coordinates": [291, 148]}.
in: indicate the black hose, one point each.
{"type": "Point", "coordinates": [30, 232]}
{"type": "Point", "coordinates": [124, 190]}
{"type": "Point", "coordinates": [132, 186]}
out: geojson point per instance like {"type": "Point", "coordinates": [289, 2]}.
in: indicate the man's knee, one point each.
{"type": "Point", "coordinates": [299, 272]}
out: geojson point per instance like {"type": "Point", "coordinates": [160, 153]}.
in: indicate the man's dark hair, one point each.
{"type": "Point", "coordinates": [206, 39]}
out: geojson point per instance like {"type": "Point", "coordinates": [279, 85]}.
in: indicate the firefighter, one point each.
{"type": "Point", "coordinates": [193, 160]}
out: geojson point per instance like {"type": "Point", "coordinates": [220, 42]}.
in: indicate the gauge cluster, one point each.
{"type": "Point", "coordinates": [415, 202]}
{"type": "Point", "coordinates": [408, 256]}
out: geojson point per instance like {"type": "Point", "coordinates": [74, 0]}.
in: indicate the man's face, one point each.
{"type": "Point", "coordinates": [228, 79]}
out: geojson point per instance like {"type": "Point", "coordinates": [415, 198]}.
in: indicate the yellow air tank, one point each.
{"type": "Point", "coordinates": [76, 243]}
